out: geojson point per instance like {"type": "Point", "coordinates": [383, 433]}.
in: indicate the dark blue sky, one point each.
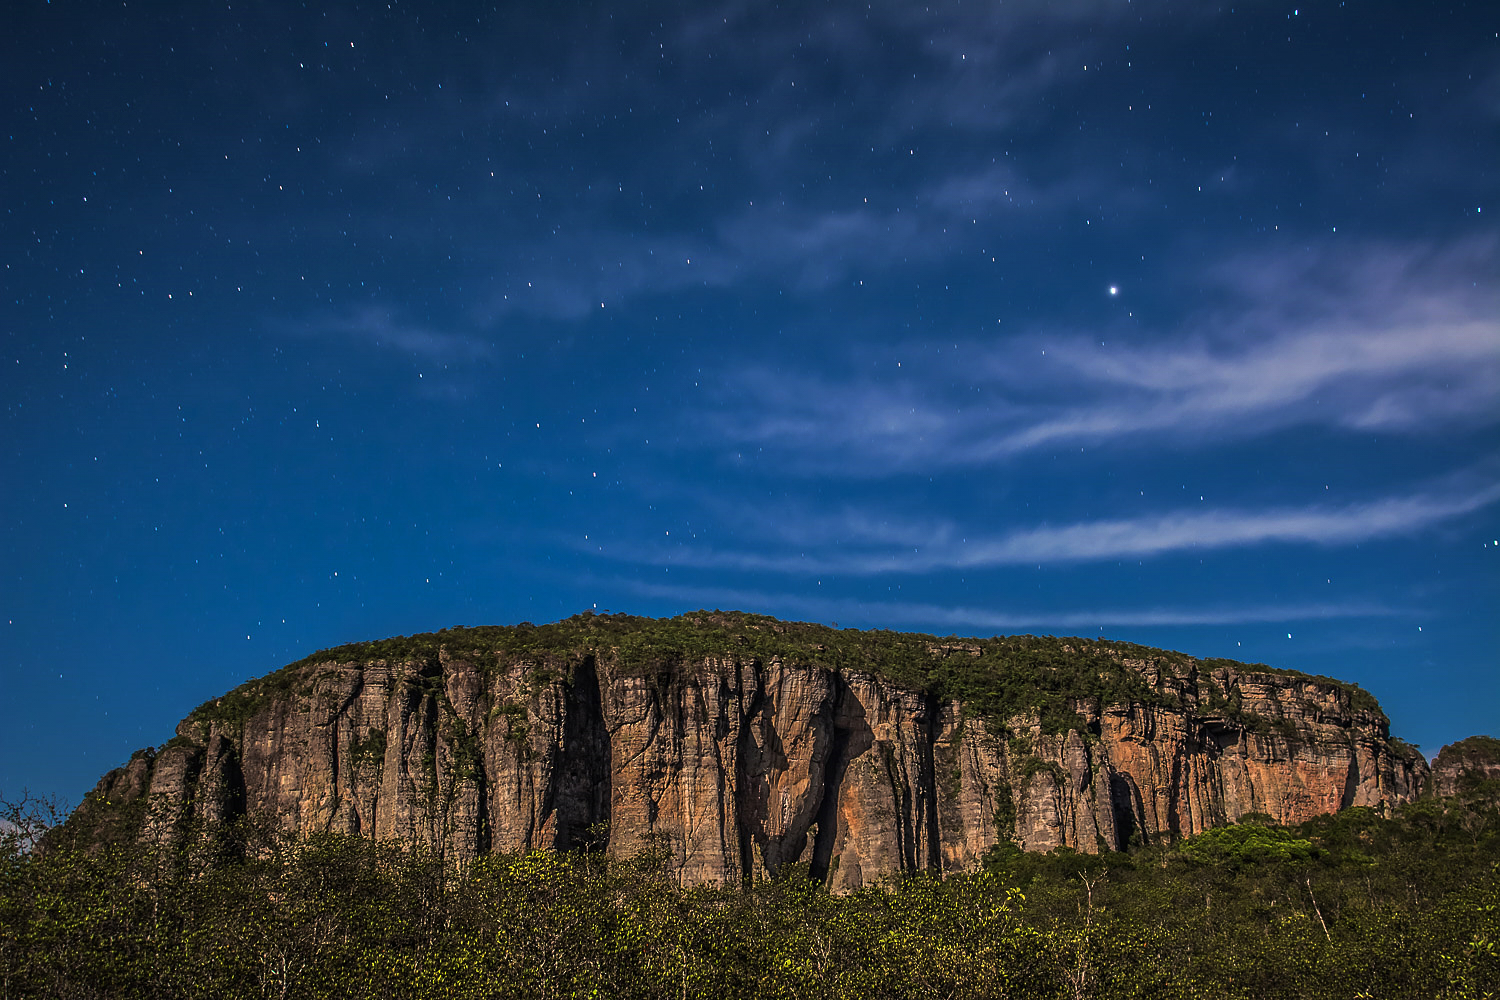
{"type": "Point", "coordinates": [1176, 323]}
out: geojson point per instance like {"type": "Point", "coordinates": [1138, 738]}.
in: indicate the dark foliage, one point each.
{"type": "Point", "coordinates": [1353, 905]}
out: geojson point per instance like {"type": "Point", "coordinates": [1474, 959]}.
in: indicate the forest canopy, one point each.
{"type": "Point", "coordinates": [1349, 905]}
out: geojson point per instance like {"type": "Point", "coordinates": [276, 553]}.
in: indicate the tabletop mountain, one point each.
{"type": "Point", "coordinates": [734, 744]}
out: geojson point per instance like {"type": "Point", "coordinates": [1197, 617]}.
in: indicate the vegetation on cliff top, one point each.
{"type": "Point", "coordinates": [1480, 750]}
{"type": "Point", "coordinates": [997, 678]}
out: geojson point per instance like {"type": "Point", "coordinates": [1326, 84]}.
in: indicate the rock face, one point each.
{"type": "Point", "coordinates": [733, 764]}
{"type": "Point", "coordinates": [1467, 767]}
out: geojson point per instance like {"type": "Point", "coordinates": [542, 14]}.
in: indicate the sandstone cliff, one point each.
{"type": "Point", "coordinates": [735, 744]}
{"type": "Point", "coordinates": [1468, 767]}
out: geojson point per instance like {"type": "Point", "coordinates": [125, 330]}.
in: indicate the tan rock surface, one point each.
{"type": "Point", "coordinates": [732, 766]}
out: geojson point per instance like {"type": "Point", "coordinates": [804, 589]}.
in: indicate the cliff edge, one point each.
{"type": "Point", "coordinates": [735, 744]}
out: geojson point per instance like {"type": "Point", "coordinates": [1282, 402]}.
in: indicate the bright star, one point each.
{"type": "Point", "coordinates": [1114, 290]}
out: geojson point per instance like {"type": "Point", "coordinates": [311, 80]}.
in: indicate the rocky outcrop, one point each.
{"type": "Point", "coordinates": [732, 764]}
{"type": "Point", "coordinates": [1468, 767]}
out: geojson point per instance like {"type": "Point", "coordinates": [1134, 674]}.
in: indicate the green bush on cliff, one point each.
{"type": "Point", "coordinates": [370, 751]}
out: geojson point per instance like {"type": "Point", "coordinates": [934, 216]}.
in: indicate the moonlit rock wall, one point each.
{"type": "Point", "coordinates": [733, 767]}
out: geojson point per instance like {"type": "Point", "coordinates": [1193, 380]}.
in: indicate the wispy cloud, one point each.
{"type": "Point", "coordinates": [380, 328]}
{"type": "Point", "coordinates": [804, 245]}
{"type": "Point", "coordinates": [741, 97]}
{"type": "Point", "coordinates": [1412, 374]}
{"type": "Point", "coordinates": [861, 544]}
{"type": "Point", "coordinates": [1390, 340]}
{"type": "Point", "coordinates": [924, 615]}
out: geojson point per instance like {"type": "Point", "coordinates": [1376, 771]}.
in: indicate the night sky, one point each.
{"type": "Point", "coordinates": [1169, 322]}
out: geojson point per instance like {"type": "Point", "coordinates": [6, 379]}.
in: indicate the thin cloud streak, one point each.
{"type": "Point", "coordinates": [944, 547]}
{"type": "Point", "coordinates": [1398, 378]}
{"type": "Point", "coordinates": [802, 246]}
{"type": "Point", "coordinates": [379, 328]}
{"type": "Point", "coordinates": [930, 615]}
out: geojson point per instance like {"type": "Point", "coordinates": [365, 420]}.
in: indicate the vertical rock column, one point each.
{"type": "Point", "coordinates": [789, 749]}
{"type": "Point", "coordinates": [886, 820]}
{"type": "Point", "coordinates": [673, 747]}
